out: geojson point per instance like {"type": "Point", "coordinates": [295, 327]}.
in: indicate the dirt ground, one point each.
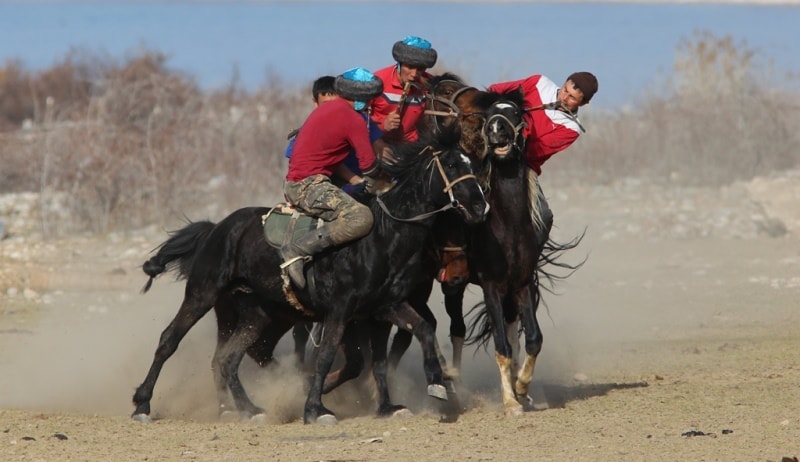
{"type": "Point", "coordinates": [677, 340]}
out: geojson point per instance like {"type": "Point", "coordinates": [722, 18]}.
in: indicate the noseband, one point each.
{"type": "Point", "coordinates": [517, 142]}
{"type": "Point", "coordinates": [452, 109]}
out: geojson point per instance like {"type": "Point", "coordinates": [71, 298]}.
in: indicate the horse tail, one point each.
{"type": "Point", "coordinates": [550, 262]}
{"type": "Point", "coordinates": [479, 328]}
{"type": "Point", "coordinates": [177, 252]}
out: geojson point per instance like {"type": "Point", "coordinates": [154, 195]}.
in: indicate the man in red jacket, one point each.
{"type": "Point", "coordinates": [328, 135]}
{"type": "Point", "coordinates": [401, 106]}
{"type": "Point", "coordinates": [552, 126]}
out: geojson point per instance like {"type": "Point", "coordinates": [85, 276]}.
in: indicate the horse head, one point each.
{"type": "Point", "coordinates": [437, 170]}
{"type": "Point", "coordinates": [452, 102]}
{"type": "Point", "coordinates": [503, 131]}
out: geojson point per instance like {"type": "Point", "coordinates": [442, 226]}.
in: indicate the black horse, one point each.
{"type": "Point", "coordinates": [454, 103]}
{"type": "Point", "coordinates": [230, 265]}
{"type": "Point", "coordinates": [507, 252]}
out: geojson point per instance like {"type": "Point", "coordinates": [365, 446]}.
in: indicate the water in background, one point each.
{"type": "Point", "coordinates": [628, 46]}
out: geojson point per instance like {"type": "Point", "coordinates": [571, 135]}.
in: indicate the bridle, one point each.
{"type": "Point", "coordinates": [453, 110]}
{"type": "Point", "coordinates": [448, 188]}
{"type": "Point", "coordinates": [518, 141]}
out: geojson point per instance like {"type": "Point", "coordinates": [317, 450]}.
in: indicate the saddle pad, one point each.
{"type": "Point", "coordinates": [278, 220]}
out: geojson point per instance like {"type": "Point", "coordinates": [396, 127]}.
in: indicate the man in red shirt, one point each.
{"type": "Point", "coordinates": [551, 115]}
{"type": "Point", "coordinates": [401, 106]}
{"type": "Point", "coordinates": [328, 135]}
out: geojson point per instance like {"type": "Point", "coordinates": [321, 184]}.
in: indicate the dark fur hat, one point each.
{"type": "Point", "coordinates": [414, 51]}
{"type": "Point", "coordinates": [586, 82]}
{"type": "Point", "coordinates": [358, 84]}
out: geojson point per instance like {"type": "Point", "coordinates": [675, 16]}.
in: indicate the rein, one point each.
{"type": "Point", "coordinates": [448, 188]}
{"type": "Point", "coordinates": [452, 109]}
{"type": "Point", "coordinates": [557, 105]}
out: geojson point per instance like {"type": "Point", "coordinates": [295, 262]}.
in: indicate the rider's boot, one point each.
{"type": "Point", "coordinates": [295, 254]}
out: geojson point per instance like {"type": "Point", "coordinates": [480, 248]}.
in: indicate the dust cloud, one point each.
{"type": "Point", "coordinates": [89, 349]}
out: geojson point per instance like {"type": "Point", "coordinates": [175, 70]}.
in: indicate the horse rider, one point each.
{"type": "Point", "coordinates": [402, 105]}
{"type": "Point", "coordinates": [551, 116]}
{"type": "Point", "coordinates": [328, 135]}
{"type": "Point", "coordinates": [347, 175]}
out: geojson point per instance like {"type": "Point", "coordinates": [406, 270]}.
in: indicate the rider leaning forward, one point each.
{"type": "Point", "coordinates": [328, 135]}
{"type": "Point", "coordinates": [552, 125]}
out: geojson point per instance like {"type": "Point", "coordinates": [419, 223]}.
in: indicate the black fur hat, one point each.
{"type": "Point", "coordinates": [358, 84]}
{"type": "Point", "coordinates": [414, 51]}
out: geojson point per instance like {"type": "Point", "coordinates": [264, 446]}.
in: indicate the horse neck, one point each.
{"type": "Point", "coordinates": [508, 191]}
{"type": "Point", "coordinates": [408, 199]}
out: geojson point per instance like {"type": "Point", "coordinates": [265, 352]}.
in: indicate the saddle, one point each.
{"type": "Point", "coordinates": [284, 224]}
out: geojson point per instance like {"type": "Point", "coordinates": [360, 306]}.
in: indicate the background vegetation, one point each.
{"type": "Point", "coordinates": [113, 146]}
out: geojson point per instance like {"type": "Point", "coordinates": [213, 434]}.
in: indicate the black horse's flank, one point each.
{"type": "Point", "coordinates": [230, 265]}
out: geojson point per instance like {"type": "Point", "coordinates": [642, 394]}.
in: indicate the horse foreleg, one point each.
{"type": "Point", "coordinates": [453, 304]}
{"type": "Point", "coordinates": [533, 341]}
{"type": "Point", "coordinates": [314, 411]}
{"type": "Point", "coordinates": [379, 338]}
{"type": "Point", "coordinates": [192, 309]}
{"type": "Point", "coordinates": [502, 350]}
{"type": "Point", "coordinates": [353, 359]}
{"type": "Point", "coordinates": [402, 338]}
{"type": "Point", "coordinates": [406, 317]}
{"type": "Point", "coordinates": [300, 334]}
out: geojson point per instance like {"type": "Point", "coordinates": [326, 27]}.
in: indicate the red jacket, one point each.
{"type": "Point", "coordinates": [328, 134]}
{"type": "Point", "coordinates": [549, 130]}
{"type": "Point", "coordinates": [386, 103]}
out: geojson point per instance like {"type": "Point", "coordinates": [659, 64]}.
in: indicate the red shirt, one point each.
{"type": "Point", "coordinates": [328, 134]}
{"type": "Point", "coordinates": [549, 130]}
{"type": "Point", "coordinates": [386, 103]}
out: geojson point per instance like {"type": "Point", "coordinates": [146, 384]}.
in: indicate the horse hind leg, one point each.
{"type": "Point", "coordinates": [242, 323]}
{"type": "Point", "coordinates": [192, 309]}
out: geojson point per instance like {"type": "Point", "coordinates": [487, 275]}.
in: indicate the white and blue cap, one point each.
{"type": "Point", "coordinates": [358, 84]}
{"type": "Point", "coordinates": [414, 51]}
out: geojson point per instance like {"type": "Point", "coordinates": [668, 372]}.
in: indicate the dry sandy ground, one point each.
{"type": "Point", "coordinates": [669, 344]}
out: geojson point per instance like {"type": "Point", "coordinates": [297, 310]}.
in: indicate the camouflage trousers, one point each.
{"type": "Point", "coordinates": [316, 195]}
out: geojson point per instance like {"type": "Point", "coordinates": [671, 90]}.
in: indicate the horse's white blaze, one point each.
{"type": "Point", "coordinates": [466, 160]}
{"type": "Point", "coordinates": [502, 105]}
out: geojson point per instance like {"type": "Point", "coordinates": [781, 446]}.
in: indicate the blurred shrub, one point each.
{"type": "Point", "coordinates": [724, 115]}
{"type": "Point", "coordinates": [136, 143]}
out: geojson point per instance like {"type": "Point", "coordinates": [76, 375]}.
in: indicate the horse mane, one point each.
{"type": "Point", "coordinates": [485, 99]}
{"type": "Point", "coordinates": [435, 80]}
{"type": "Point", "coordinates": [409, 155]}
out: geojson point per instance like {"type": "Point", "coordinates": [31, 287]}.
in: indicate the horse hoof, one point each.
{"type": "Point", "coordinates": [525, 400]}
{"type": "Point", "coordinates": [514, 411]}
{"type": "Point", "coordinates": [142, 418]}
{"type": "Point", "coordinates": [229, 416]}
{"type": "Point", "coordinates": [327, 419]}
{"type": "Point", "coordinates": [402, 414]}
{"type": "Point", "coordinates": [259, 419]}
{"type": "Point", "coordinates": [437, 391]}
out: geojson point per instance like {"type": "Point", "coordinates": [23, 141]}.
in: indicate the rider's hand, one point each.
{"type": "Point", "coordinates": [355, 189]}
{"type": "Point", "coordinates": [391, 122]}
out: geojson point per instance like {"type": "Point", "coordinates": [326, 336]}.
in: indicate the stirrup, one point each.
{"type": "Point", "coordinates": [289, 262]}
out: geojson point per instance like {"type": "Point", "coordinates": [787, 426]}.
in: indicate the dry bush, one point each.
{"type": "Point", "coordinates": [151, 147]}
{"type": "Point", "coordinates": [134, 144]}
{"type": "Point", "coordinates": [724, 116]}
